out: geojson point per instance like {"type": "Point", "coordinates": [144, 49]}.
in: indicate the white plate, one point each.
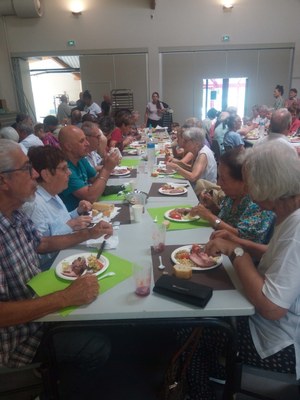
{"type": "Point", "coordinates": [167, 215]}
{"type": "Point", "coordinates": [115, 171]}
{"type": "Point", "coordinates": [133, 152]}
{"type": "Point", "coordinates": [137, 144]}
{"type": "Point", "coordinates": [70, 259]}
{"type": "Point", "coordinates": [165, 171]}
{"type": "Point", "coordinates": [172, 194]}
{"type": "Point", "coordinates": [195, 268]}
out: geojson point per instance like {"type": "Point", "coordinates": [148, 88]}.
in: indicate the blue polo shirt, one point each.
{"type": "Point", "coordinates": [80, 176]}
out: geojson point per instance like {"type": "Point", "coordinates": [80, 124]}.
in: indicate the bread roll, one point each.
{"type": "Point", "coordinates": [105, 208]}
{"type": "Point", "coordinates": [183, 271]}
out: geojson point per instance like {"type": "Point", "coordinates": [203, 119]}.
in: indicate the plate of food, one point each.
{"type": "Point", "coordinates": [74, 266]}
{"type": "Point", "coordinates": [120, 171]}
{"type": "Point", "coordinates": [165, 170]}
{"type": "Point", "coordinates": [172, 190]}
{"type": "Point", "coordinates": [180, 215]}
{"type": "Point", "coordinates": [132, 151]}
{"type": "Point", "coordinates": [137, 144]}
{"type": "Point", "coordinates": [194, 256]}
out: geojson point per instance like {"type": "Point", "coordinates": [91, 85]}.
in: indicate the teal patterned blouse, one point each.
{"type": "Point", "coordinates": [249, 219]}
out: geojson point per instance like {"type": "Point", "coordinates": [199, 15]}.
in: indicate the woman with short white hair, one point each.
{"type": "Point", "coordinates": [204, 166]}
{"type": "Point", "coordinates": [271, 337]}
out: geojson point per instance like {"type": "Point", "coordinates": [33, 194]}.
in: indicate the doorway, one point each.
{"type": "Point", "coordinates": [52, 77]}
{"type": "Point", "coordinates": [219, 93]}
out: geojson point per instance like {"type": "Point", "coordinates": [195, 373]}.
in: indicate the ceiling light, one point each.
{"type": "Point", "coordinates": [76, 7]}
{"type": "Point", "coordinates": [227, 6]}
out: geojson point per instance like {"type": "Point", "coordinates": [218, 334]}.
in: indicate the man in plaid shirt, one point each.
{"type": "Point", "coordinates": [20, 338]}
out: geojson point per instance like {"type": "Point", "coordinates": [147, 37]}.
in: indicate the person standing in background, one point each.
{"type": "Point", "coordinates": [63, 110]}
{"type": "Point", "coordinates": [279, 100]}
{"type": "Point", "coordinates": [154, 111]}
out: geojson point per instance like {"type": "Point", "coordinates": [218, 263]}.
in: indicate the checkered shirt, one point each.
{"type": "Point", "coordinates": [18, 264]}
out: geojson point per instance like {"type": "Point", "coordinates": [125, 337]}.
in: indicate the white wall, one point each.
{"type": "Point", "coordinates": [117, 24]}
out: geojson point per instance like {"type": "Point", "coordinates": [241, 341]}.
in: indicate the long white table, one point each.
{"type": "Point", "coordinates": [120, 302]}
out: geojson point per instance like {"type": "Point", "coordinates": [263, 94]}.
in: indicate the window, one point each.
{"type": "Point", "coordinates": [220, 93]}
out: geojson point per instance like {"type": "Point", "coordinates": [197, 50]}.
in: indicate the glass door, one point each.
{"type": "Point", "coordinates": [220, 93]}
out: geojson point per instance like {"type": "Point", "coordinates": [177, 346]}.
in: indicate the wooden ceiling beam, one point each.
{"type": "Point", "coordinates": [152, 4]}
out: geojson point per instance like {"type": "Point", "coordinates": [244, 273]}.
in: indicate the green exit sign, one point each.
{"type": "Point", "coordinates": [225, 38]}
{"type": "Point", "coordinates": [71, 43]}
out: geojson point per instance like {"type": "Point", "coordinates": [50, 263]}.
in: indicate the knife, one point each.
{"type": "Point", "coordinates": [101, 249]}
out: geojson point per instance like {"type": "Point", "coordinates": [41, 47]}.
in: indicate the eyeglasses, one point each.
{"type": "Point", "coordinates": [28, 167]}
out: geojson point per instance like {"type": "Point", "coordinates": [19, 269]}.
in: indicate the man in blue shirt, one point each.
{"type": "Point", "coordinates": [84, 182]}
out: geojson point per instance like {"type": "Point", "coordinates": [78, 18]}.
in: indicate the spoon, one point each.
{"type": "Point", "coordinates": [161, 266]}
{"type": "Point", "coordinates": [106, 275]}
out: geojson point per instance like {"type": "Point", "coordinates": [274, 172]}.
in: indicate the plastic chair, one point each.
{"type": "Point", "coordinates": [262, 376]}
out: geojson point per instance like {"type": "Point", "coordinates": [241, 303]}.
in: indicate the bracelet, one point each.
{"type": "Point", "coordinates": [102, 177]}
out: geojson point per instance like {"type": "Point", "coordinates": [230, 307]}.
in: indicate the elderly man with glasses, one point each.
{"type": "Point", "coordinates": [98, 144]}
{"type": "Point", "coordinates": [20, 337]}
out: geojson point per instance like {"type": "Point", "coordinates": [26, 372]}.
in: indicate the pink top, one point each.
{"type": "Point", "coordinates": [50, 140]}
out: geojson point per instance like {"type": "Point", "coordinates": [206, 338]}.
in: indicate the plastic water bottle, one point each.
{"type": "Point", "coordinates": [261, 130]}
{"type": "Point", "coordinates": [151, 155]}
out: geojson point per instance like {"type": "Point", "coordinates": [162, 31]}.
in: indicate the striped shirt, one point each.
{"type": "Point", "coordinates": [18, 264]}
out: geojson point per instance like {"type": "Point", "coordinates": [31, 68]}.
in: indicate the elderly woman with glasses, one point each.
{"type": "Point", "coordinates": [269, 339]}
{"type": "Point", "coordinates": [237, 213]}
{"type": "Point", "coordinates": [48, 213]}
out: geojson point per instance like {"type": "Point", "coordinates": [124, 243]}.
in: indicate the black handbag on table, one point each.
{"type": "Point", "coordinates": [183, 290]}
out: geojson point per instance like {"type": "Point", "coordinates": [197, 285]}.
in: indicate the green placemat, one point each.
{"type": "Point", "coordinates": [129, 162]}
{"type": "Point", "coordinates": [47, 282]}
{"type": "Point", "coordinates": [177, 176]}
{"type": "Point", "coordinates": [174, 226]}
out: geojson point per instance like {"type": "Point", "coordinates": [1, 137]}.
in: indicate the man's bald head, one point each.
{"type": "Point", "coordinates": [280, 121]}
{"type": "Point", "coordinates": [73, 142]}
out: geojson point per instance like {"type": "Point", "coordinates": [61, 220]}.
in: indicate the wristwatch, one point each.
{"type": "Point", "coordinates": [217, 223]}
{"type": "Point", "coordinates": [237, 252]}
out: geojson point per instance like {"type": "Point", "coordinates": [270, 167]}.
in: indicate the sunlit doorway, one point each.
{"type": "Point", "coordinates": [52, 77]}
{"type": "Point", "coordinates": [220, 93]}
